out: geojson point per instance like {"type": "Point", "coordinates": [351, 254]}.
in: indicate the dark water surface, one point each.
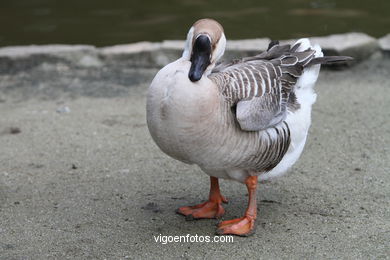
{"type": "Point", "coordinates": [109, 22]}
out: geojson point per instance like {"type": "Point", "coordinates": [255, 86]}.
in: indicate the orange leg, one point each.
{"type": "Point", "coordinates": [245, 225]}
{"type": "Point", "coordinates": [209, 209]}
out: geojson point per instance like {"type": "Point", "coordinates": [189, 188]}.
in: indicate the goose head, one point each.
{"type": "Point", "coordinates": [204, 46]}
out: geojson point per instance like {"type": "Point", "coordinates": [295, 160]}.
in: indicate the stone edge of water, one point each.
{"type": "Point", "coordinates": [156, 54]}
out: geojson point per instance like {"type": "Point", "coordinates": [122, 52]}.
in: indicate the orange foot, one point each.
{"type": "Point", "coordinates": [244, 226]}
{"type": "Point", "coordinates": [208, 209]}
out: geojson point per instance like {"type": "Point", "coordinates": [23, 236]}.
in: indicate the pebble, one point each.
{"type": "Point", "coordinates": [64, 109]}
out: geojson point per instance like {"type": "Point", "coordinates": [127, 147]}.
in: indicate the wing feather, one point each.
{"type": "Point", "coordinates": [262, 86]}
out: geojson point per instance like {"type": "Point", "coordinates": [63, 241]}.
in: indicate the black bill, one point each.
{"type": "Point", "coordinates": [200, 57]}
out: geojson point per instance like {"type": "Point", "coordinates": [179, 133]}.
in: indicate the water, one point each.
{"type": "Point", "coordinates": [102, 22]}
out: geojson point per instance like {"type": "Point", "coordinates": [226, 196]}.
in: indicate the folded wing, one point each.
{"type": "Point", "coordinates": [261, 87]}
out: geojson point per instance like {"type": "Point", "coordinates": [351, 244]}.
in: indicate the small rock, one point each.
{"type": "Point", "coordinates": [244, 48]}
{"type": "Point", "coordinates": [74, 167]}
{"type": "Point", "coordinates": [384, 43]}
{"type": "Point", "coordinates": [62, 110]}
{"type": "Point", "coordinates": [8, 246]}
{"type": "Point", "coordinates": [11, 130]}
{"type": "Point", "coordinates": [357, 45]}
{"type": "Point", "coordinates": [36, 166]}
{"type": "Point", "coordinates": [90, 61]}
{"type": "Point", "coordinates": [14, 130]}
{"type": "Point", "coordinates": [152, 207]}
{"type": "Point", "coordinates": [43, 50]}
{"type": "Point", "coordinates": [129, 48]}
{"type": "Point", "coordinates": [255, 45]}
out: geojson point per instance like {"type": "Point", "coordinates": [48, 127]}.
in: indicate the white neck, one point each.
{"type": "Point", "coordinates": [188, 46]}
{"type": "Point", "coordinates": [219, 49]}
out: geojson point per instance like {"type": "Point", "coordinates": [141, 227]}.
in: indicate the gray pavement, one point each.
{"type": "Point", "coordinates": [80, 177]}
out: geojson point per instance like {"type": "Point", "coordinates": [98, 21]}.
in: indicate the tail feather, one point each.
{"type": "Point", "coordinates": [304, 45]}
{"type": "Point", "coordinates": [329, 59]}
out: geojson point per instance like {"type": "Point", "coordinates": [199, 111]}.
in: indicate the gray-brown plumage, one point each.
{"type": "Point", "coordinates": [258, 93]}
{"type": "Point", "coordinates": [244, 120]}
{"type": "Point", "coordinates": [261, 86]}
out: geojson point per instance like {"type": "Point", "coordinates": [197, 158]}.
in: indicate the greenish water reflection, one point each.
{"type": "Point", "coordinates": [106, 22]}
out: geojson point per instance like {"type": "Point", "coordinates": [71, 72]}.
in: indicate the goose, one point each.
{"type": "Point", "coordinates": [246, 120]}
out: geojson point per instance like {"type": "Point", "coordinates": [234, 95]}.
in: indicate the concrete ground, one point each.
{"type": "Point", "coordinates": [80, 177]}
